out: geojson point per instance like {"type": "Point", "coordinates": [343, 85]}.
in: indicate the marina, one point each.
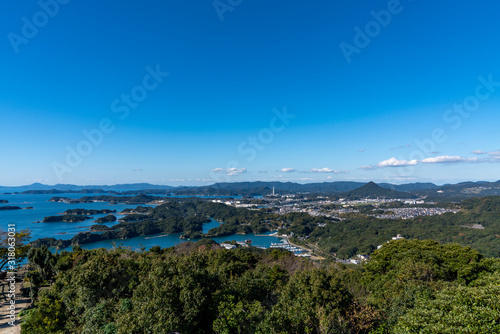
{"type": "Point", "coordinates": [285, 244]}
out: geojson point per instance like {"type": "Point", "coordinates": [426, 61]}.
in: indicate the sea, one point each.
{"type": "Point", "coordinates": [32, 219]}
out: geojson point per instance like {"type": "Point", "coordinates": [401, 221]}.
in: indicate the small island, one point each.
{"type": "Point", "coordinates": [106, 219]}
{"type": "Point", "coordinates": [61, 200]}
{"type": "Point", "coordinates": [65, 219]}
{"type": "Point", "coordinates": [5, 208]}
{"type": "Point", "coordinates": [4, 201]}
{"type": "Point", "coordinates": [139, 209]}
{"type": "Point", "coordinates": [85, 212]}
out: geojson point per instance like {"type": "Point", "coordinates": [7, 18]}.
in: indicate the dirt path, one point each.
{"type": "Point", "coordinates": [20, 303]}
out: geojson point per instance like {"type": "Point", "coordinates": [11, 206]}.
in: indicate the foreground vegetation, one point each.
{"type": "Point", "coordinates": [408, 286]}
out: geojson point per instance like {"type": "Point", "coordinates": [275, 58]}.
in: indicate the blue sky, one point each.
{"type": "Point", "coordinates": [187, 93]}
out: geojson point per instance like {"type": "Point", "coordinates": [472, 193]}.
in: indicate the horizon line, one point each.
{"type": "Point", "coordinates": [235, 182]}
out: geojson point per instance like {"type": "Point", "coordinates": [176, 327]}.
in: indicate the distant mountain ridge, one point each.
{"type": "Point", "coordinates": [66, 187]}
{"type": "Point", "coordinates": [340, 188]}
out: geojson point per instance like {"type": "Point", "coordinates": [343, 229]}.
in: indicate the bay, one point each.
{"type": "Point", "coordinates": [42, 207]}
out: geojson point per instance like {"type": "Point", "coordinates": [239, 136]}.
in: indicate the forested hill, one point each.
{"type": "Point", "coordinates": [266, 188]}
{"type": "Point", "coordinates": [342, 188]}
{"type": "Point", "coordinates": [198, 288]}
{"type": "Point", "coordinates": [461, 190]}
{"type": "Point", "coordinates": [372, 190]}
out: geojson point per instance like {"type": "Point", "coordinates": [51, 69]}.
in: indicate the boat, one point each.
{"type": "Point", "coordinates": [158, 236]}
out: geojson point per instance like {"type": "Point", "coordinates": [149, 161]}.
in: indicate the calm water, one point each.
{"type": "Point", "coordinates": [42, 208]}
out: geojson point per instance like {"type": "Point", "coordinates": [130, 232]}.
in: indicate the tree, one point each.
{"type": "Point", "coordinates": [314, 301]}
{"type": "Point", "coordinates": [44, 260]}
{"type": "Point", "coordinates": [49, 317]}
{"type": "Point", "coordinates": [238, 317]}
{"type": "Point", "coordinates": [35, 279]}
{"type": "Point", "coordinates": [14, 240]}
{"type": "Point", "coordinates": [458, 309]}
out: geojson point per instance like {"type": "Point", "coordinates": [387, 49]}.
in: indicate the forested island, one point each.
{"type": "Point", "coordinates": [65, 218]}
{"type": "Point", "coordinates": [88, 212]}
{"type": "Point", "coordinates": [408, 286]}
{"type": "Point", "coordinates": [10, 207]}
{"type": "Point", "coordinates": [139, 209]}
{"type": "Point", "coordinates": [106, 219]}
{"type": "Point", "coordinates": [4, 201]}
{"type": "Point", "coordinates": [79, 215]}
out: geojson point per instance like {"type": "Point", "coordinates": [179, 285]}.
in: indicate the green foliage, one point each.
{"type": "Point", "coordinates": [35, 279]}
{"type": "Point", "coordinates": [48, 317]}
{"type": "Point", "coordinates": [364, 233]}
{"type": "Point", "coordinates": [44, 261]}
{"type": "Point", "coordinates": [425, 261]}
{"type": "Point", "coordinates": [457, 309]}
{"type": "Point", "coordinates": [240, 317]}
{"type": "Point", "coordinates": [409, 286]}
{"type": "Point", "coordinates": [19, 241]}
{"type": "Point", "coordinates": [403, 272]}
{"type": "Point", "coordinates": [314, 301]}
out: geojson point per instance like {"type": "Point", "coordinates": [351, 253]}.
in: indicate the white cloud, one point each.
{"type": "Point", "coordinates": [328, 170]}
{"type": "Point", "coordinates": [393, 162]}
{"type": "Point", "coordinates": [230, 171]}
{"type": "Point", "coordinates": [362, 150]}
{"type": "Point", "coordinates": [137, 170]}
{"type": "Point", "coordinates": [479, 152]}
{"type": "Point", "coordinates": [321, 170]}
{"type": "Point", "coordinates": [367, 167]}
{"type": "Point", "coordinates": [287, 170]}
{"type": "Point", "coordinates": [448, 159]}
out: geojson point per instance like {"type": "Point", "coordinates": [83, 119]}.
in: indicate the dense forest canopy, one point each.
{"type": "Point", "coordinates": [408, 286]}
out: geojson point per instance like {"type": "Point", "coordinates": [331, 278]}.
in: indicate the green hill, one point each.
{"type": "Point", "coordinates": [372, 190]}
